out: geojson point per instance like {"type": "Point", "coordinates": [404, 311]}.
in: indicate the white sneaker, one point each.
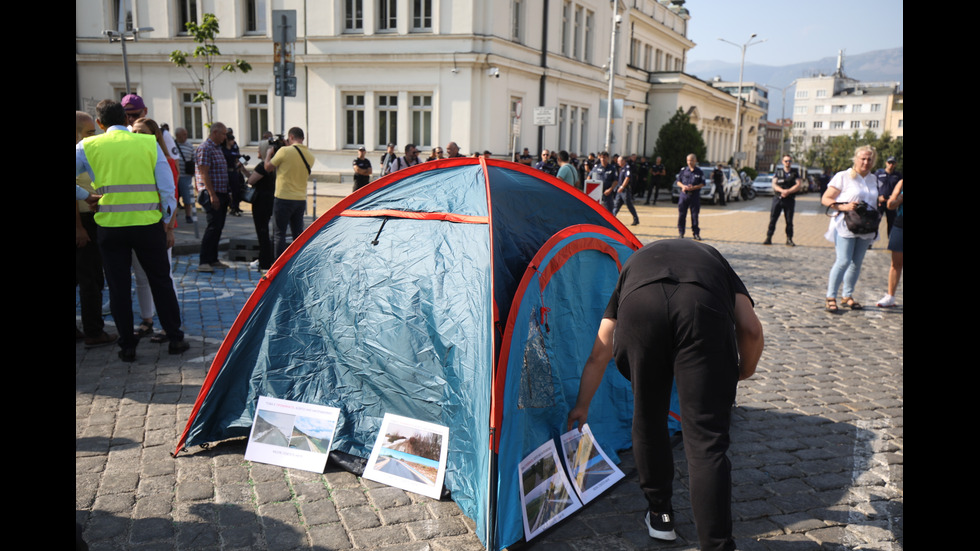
{"type": "Point", "coordinates": [660, 526]}
{"type": "Point", "coordinates": [886, 302]}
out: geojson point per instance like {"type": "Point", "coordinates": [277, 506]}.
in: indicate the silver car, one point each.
{"type": "Point", "coordinates": [763, 184]}
{"type": "Point", "coordinates": [709, 194]}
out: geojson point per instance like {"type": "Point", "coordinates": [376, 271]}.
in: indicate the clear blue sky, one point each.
{"type": "Point", "coordinates": [796, 30]}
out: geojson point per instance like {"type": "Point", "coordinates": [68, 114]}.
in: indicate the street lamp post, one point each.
{"type": "Point", "coordinates": [122, 36]}
{"type": "Point", "coordinates": [738, 98]}
{"type": "Point", "coordinates": [612, 74]}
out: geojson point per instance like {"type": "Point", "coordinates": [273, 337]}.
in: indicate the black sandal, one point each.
{"type": "Point", "coordinates": [145, 328]}
{"type": "Point", "coordinates": [852, 304]}
{"type": "Point", "coordinates": [832, 306]}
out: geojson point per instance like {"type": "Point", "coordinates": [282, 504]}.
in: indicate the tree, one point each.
{"type": "Point", "coordinates": [676, 140]}
{"type": "Point", "coordinates": [207, 50]}
{"type": "Point", "coordinates": [838, 152]}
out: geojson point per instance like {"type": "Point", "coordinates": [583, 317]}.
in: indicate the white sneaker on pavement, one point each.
{"type": "Point", "coordinates": [886, 302]}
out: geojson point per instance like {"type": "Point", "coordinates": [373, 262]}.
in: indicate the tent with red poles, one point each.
{"type": "Point", "coordinates": [461, 292]}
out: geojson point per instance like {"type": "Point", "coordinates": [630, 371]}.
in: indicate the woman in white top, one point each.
{"type": "Point", "coordinates": [844, 193]}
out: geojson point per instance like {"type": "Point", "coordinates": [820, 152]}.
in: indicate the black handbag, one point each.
{"type": "Point", "coordinates": [863, 219]}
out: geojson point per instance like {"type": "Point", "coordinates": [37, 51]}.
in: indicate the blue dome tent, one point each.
{"type": "Point", "coordinates": [462, 292]}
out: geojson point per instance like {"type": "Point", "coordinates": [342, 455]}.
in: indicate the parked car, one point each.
{"type": "Point", "coordinates": [763, 184]}
{"type": "Point", "coordinates": [732, 186]}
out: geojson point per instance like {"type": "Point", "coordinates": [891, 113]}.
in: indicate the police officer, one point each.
{"type": "Point", "coordinates": [606, 172]}
{"type": "Point", "coordinates": [785, 183]}
{"type": "Point", "coordinates": [690, 180]}
{"type": "Point", "coordinates": [131, 173]}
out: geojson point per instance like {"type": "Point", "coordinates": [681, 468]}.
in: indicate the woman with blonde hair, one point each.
{"type": "Point", "coordinates": [846, 192]}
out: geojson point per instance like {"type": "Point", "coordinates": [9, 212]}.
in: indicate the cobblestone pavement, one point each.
{"type": "Point", "coordinates": [817, 435]}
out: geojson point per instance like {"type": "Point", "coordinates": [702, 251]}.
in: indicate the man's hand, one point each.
{"type": "Point", "coordinates": [170, 237]}
{"type": "Point", "coordinates": [579, 415]}
{"type": "Point", "coordinates": [93, 201]}
{"type": "Point", "coordinates": [81, 237]}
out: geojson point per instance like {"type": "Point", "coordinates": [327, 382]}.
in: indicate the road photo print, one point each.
{"type": "Point", "coordinates": [409, 454]}
{"type": "Point", "coordinates": [292, 434]}
{"type": "Point", "coordinates": [546, 495]}
{"type": "Point", "coordinates": [589, 467]}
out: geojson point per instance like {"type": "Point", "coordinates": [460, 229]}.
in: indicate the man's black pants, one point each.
{"type": "Point", "coordinates": [668, 330]}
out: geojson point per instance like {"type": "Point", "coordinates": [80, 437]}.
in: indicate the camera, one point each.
{"type": "Point", "coordinates": [277, 142]}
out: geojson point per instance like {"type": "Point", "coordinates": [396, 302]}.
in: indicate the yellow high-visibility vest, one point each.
{"type": "Point", "coordinates": [123, 164]}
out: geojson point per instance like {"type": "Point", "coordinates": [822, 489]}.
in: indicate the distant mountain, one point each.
{"type": "Point", "coordinates": [876, 66]}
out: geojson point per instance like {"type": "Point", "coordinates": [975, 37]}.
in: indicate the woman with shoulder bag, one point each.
{"type": "Point", "coordinates": [848, 192]}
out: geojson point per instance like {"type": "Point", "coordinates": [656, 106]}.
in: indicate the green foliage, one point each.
{"type": "Point", "coordinates": [838, 152]}
{"type": "Point", "coordinates": [677, 139]}
{"type": "Point", "coordinates": [207, 50]}
{"type": "Point", "coordinates": [750, 172]}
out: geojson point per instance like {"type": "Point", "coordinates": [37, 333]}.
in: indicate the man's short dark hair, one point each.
{"type": "Point", "coordinates": [563, 156]}
{"type": "Point", "coordinates": [110, 113]}
{"type": "Point", "coordinates": [296, 132]}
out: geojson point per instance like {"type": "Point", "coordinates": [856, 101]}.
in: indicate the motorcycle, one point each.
{"type": "Point", "coordinates": [747, 193]}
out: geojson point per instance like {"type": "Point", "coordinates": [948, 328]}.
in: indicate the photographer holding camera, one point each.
{"type": "Point", "coordinates": [293, 168]}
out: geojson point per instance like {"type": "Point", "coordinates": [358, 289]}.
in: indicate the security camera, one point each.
{"type": "Point", "coordinates": [493, 72]}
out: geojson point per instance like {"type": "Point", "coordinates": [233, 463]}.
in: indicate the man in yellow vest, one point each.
{"type": "Point", "coordinates": [131, 173]}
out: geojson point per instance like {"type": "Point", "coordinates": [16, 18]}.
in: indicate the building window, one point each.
{"type": "Point", "coordinates": [799, 124]}
{"type": "Point", "coordinates": [800, 110]}
{"type": "Point", "coordinates": [387, 119]}
{"type": "Point", "coordinates": [668, 61]}
{"type": "Point", "coordinates": [838, 108]}
{"type": "Point", "coordinates": [187, 13]}
{"type": "Point", "coordinates": [354, 115]}
{"type": "Point", "coordinates": [387, 15]}
{"type": "Point", "coordinates": [562, 126]}
{"type": "Point", "coordinates": [856, 124]}
{"type": "Point", "coordinates": [647, 55]}
{"type": "Point", "coordinates": [517, 20]}
{"type": "Point", "coordinates": [815, 140]}
{"type": "Point", "coordinates": [422, 120]}
{"type": "Point", "coordinates": [836, 125]}
{"type": "Point", "coordinates": [873, 124]}
{"type": "Point", "coordinates": [634, 52]}
{"type": "Point", "coordinates": [354, 16]}
{"type": "Point", "coordinates": [589, 38]}
{"type": "Point", "coordinates": [577, 32]}
{"type": "Point", "coordinates": [584, 134]}
{"type": "Point", "coordinates": [819, 108]}
{"type": "Point", "coordinates": [421, 15]}
{"type": "Point", "coordinates": [818, 124]}
{"type": "Point", "coordinates": [901, 123]}
{"type": "Point", "coordinates": [114, 17]}
{"type": "Point", "coordinates": [802, 94]}
{"type": "Point", "coordinates": [573, 125]}
{"type": "Point", "coordinates": [857, 108]}
{"type": "Point", "coordinates": [875, 107]}
{"type": "Point", "coordinates": [192, 116]}
{"type": "Point", "coordinates": [566, 30]}
{"type": "Point", "coordinates": [254, 16]}
{"type": "Point", "coordinates": [257, 104]}
{"type": "Point", "coordinates": [821, 93]}
{"type": "Point", "coordinates": [658, 60]}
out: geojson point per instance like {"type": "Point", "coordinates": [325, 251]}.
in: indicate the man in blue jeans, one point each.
{"type": "Point", "coordinates": [293, 164]}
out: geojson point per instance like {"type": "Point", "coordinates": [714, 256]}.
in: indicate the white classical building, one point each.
{"type": "Point", "coordinates": [427, 72]}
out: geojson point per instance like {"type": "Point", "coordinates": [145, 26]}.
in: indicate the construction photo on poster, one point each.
{"type": "Point", "coordinates": [292, 434]}
{"type": "Point", "coordinates": [589, 467]}
{"type": "Point", "coordinates": [409, 454]}
{"type": "Point", "coordinates": [546, 494]}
